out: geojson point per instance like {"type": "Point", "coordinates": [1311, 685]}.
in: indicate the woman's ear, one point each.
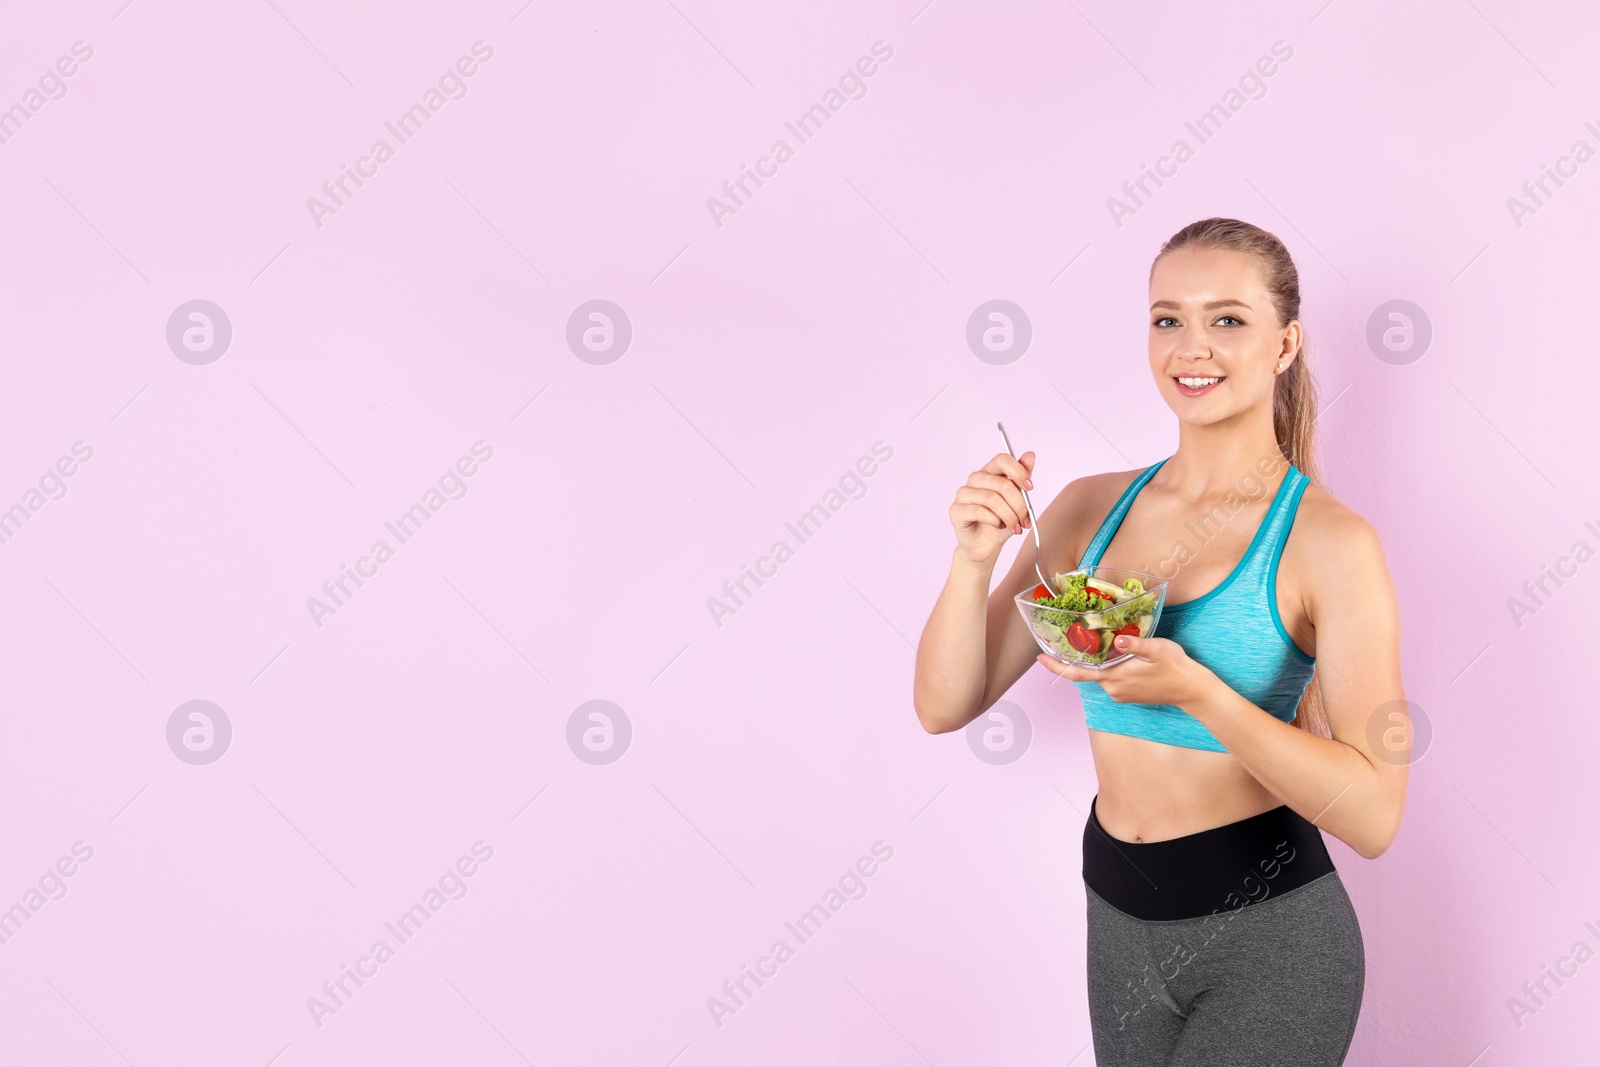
{"type": "Point", "coordinates": [1292, 339]}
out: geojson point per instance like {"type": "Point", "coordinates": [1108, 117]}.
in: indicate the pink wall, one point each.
{"type": "Point", "coordinates": [376, 341]}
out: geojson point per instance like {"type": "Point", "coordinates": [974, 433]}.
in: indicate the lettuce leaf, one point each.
{"type": "Point", "coordinates": [1120, 615]}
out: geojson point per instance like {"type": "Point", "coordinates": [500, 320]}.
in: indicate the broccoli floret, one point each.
{"type": "Point", "coordinates": [1048, 620]}
{"type": "Point", "coordinates": [1072, 598]}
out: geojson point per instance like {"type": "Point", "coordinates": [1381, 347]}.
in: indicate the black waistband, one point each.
{"type": "Point", "coordinates": [1222, 869]}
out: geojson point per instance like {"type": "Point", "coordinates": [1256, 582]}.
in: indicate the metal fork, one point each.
{"type": "Point", "coordinates": [1036, 546]}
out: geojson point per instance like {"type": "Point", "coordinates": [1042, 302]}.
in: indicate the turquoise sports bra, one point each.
{"type": "Point", "coordinates": [1234, 630]}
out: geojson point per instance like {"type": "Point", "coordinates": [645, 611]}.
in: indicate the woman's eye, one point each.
{"type": "Point", "coordinates": [1164, 320]}
{"type": "Point", "coordinates": [1232, 317]}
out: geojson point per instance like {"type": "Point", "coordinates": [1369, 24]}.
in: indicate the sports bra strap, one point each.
{"type": "Point", "coordinates": [1258, 566]}
{"type": "Point", "coordinates": [1284, 507]}
{"type": "Point", "coordinates": [1108, 526]}
{"type": "Point", "coordinates": [1276, 526]}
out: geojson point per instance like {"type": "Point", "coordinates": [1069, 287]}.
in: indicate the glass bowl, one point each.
{"type": "Point", "coordinates": [1082, 636]}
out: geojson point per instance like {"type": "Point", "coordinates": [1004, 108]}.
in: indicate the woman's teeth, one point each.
{"type": "Point", "coordinates": [1199, 383]}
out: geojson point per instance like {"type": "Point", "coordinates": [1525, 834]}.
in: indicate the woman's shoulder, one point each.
{"type": "Point", "coordinates": [1330, 531]}
{"type": "Point", "coordinates": [1094, 492]}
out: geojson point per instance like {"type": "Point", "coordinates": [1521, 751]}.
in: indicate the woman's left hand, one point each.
{"type": "Point", "coordinates": [1160, 672]}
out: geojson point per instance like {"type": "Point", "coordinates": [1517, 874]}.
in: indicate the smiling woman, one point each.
{"type": "Point", "coordinates": [1223, 751]}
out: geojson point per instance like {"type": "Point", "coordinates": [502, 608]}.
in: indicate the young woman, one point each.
{"type": "Point", "coordinates": [1265, 707]}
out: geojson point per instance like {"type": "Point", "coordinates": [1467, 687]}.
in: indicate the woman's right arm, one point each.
{"type": "Point", "coordinates": [975, 644]}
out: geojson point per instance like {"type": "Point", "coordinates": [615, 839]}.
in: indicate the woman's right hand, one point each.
{"type": "Point", "coordinates": [989, 508]}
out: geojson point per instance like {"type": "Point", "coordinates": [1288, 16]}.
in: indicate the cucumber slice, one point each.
{"type": "Point", "coordinates": [1146, 624]}
{"type": "Point", "coordinates": [1107, 588]}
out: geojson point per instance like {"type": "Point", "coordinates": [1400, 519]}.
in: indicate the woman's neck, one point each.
{"type": "Point", "coordinates": [1214, 460]}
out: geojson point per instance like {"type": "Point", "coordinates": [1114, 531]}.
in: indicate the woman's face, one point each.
{"type": "Point", "coordinates": [1215, 342]}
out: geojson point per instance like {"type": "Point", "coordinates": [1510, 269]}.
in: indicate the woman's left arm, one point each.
{"type": "Point", "coordinates": [1354, 785]}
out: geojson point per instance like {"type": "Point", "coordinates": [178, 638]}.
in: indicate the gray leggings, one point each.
{"type": "Point", "coordinates": [1275, 984]}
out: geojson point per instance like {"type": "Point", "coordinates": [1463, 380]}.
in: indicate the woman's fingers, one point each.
{"type": "Point", "coordinates": [1010, 515]}
{"type": "Point", "coordinates": [990, 498]}
{"type": "Point", "coordinates": [1015, 469]}
{"type": "Point", "coordinates": [1003, 487]}
{"type": "Point", "coordinates": [977, 514]}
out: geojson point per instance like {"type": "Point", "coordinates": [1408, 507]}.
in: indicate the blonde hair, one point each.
{"type": "Point", "coordinates": [1294, 395]}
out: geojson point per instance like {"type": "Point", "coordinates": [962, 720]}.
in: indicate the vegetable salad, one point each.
{"type": "Point", "coordinates": [1092, 614]}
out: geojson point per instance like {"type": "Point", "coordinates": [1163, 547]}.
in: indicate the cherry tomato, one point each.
{"type": "Point", "coordinates": [1082, 638]}
{"type": "Point", "coordinates": [1132, 630]}
{"type": "Point", "coordinates": [1041, 592]}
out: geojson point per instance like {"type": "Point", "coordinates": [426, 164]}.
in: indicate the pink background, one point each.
{"type": "Point", "coordinates": [829, 312]}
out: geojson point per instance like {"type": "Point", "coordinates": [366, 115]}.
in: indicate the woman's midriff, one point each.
{"type": "Point", "coordinates": [1155, 792]}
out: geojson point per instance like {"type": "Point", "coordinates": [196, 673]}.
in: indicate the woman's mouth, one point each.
{"type": "Point", "coordinates": [1191, 385]}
